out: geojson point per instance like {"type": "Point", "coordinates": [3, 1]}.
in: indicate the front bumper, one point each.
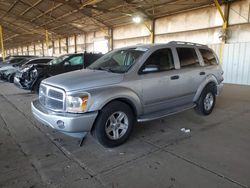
{"type": "Point", "coordinates": [71, 124]}
{"type": "Point", "coordinates": [219, 88]}
{"type": "Point", "coordinates": [17, 82]}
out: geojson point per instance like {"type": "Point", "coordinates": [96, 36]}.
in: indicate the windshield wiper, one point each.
{"type": "Point", "coordinates": [107, 69]}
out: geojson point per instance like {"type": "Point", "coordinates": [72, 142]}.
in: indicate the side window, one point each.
{"type": "Point", "coordinates": [208, 57]}
{"type": "Point", "coordinates": [34, 62]}
{"type": "Point", "coordinates": [187, 57]}
{"type": "Point", "coordinates": [76, 60]}
{"type": "Point", "coordinates": [40, 61]}
{"type": "Point", "coordinates": [162, 59]}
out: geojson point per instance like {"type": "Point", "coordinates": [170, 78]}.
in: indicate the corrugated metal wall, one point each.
{"type": "Point", "coordinates": [236, 62]}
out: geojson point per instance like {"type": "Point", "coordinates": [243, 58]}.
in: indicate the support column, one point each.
{"type": "Point", "coordinates": [1, 40]}
{"type": "Point", "coordinates": [34, 48]}
{"type": "Point", "coordinates": [111, 39]}
{"type": "Point", "coordinates": [53, 47]}
{"type": "Point", "coordinates": [75, 42]}
{"type": "Point", "coordinates": [60, 50]}
{"type": "Point", "coordinates": [225, 18]}
{"type": "Point", "coordinates": [46, 42]}
{"type": "Point", "coordinates": [43, 48]}
{"type": "Point", "coordinates": [67, 44]}
{"type": "Point", "coordinates": [85, 42]}
{"type": "Point", "coordinates": [151, 27]}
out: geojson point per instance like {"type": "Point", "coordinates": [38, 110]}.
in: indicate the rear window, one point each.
{"type": "Point", "coordinates": [187, 57]}
{"type": "Point", "coordinates": [208, 57]}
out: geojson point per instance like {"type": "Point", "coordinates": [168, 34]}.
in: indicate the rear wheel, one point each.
{"type": "Point", "coordinates": [207, 99]}
{"type": "Point", "coordinates": [114, 124]}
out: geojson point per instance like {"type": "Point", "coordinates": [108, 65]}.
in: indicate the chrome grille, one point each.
{"type": "Point", "coordinates": [52, 98]}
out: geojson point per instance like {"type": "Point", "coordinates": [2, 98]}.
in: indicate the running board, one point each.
{"type": "Point", "coordinates": [161, 114]}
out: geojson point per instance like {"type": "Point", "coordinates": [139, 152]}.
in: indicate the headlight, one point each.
{"type": "Point", "coordinates": [76, 104]}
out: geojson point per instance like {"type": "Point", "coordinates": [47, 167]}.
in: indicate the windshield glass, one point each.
{"type": "Point", "coordinates": [58, 60]}
{"type": "Point", "coordinates": [118, 61]}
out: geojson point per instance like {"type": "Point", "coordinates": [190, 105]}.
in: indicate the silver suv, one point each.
{"type": "Point", "coordinates": [137, 83]}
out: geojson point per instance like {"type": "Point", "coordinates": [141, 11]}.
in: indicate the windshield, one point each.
{"type": "Point", "coordinates": [23, 62]}
{"type": "Point", "coordinates": [58, 60]}
{"type": "Point", "coordinates": [118, 61]}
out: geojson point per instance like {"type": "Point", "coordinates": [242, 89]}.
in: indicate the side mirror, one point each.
{"type": "Point", "coordinates": [66, 63]}
{"type": "Point", "coordinates": [150, 68]}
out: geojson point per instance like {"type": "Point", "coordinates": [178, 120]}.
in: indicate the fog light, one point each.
{"type": "Point", "coordinates": [60, 124]}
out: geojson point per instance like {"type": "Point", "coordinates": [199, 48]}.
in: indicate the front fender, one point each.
{"type": "Point", "coordinates": [210, 78]}
{"type": "Point", "coordinates": [100, 97]}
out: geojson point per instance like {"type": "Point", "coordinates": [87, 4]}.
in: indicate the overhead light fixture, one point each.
{"type": "Point", "coordinates": [137, 19]}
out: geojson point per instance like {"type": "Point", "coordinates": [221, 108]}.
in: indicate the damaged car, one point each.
{"type": "Point", "coordinates": [30, 77]}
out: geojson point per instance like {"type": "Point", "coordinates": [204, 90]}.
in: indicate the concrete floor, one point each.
{"type": "Point", "coordinates": [216, 153]}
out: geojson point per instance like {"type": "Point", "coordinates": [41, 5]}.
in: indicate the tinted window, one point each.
{"type": "Point", "coordinates": [16, 60]}
{"type": "Point", "coordinates": [187, 57]}
{"type": "Point", "coordinates": [39, 61]}
{"type": "Point", "coordinates": [208, 57]}
{"type": "Point", "coordinates": [162, 58]}
{"type": "Point", "coordinates": [76, 60]}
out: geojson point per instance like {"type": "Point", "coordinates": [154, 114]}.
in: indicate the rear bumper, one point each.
{"type": "Point", "coordinates": [71, 124]}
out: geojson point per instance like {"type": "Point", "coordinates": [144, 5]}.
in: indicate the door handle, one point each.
{"type": "Point", "coordinates": [202, 73]}
{"type": "Point", "coordinates": [175, 77]}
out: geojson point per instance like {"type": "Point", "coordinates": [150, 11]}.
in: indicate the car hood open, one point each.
{"type": "Point", "coordinates": [83, 79]}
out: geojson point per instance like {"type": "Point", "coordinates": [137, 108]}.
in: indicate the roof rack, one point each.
{"type": "Point", "coordinates": [187, 43]}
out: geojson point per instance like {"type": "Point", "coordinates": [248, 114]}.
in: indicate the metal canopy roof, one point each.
{"type": "Point", "coordinates": [25, 21]}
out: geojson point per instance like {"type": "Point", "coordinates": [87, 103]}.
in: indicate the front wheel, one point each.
{"type": "Point", "coordinates": [206, 102]}
{"type": "Point", "coordinates": [11, 78]}
{"type": "Point", "coordinates": [114, 124]}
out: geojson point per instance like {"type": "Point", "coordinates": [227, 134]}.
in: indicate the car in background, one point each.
{"type": "Point", "coordinates": [12, 65]}
{"type": "Point", "coordinates": [136, 83]}
{"type": "Point", "coordinates": [31, 77]}
{"type": "Point", "coordinates": [11, 72]}
{"type": "Point", "coordinates": [14, 60]}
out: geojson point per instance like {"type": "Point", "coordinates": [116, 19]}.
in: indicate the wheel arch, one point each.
{"type": "Point", "coordinates": [210, 80]}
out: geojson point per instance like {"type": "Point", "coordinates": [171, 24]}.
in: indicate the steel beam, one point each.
{"type": "Point", "coordinates": [1, 40]}
{"type": "Point", "coordinates": [224, 26]}
{"type": "Point", "coordinates": [151, 28]}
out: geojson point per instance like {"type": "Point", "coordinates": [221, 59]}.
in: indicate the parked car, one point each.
{"type": "Point", "coordinates": [31, 77]}
{"type": "Point", "coordinates": [142, 83]}
{"type": "Point", "coordinates": [11, 72]}
{"type": "Point", "coordinates": [11, 66]}
{"type": "Point", "coordinates": [14, 60]}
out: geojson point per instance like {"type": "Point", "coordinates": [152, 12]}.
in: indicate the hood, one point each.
{"type": "Point", "coordinates": [6, 67]}
{"type": "Point", "coordinates": [83, 79]}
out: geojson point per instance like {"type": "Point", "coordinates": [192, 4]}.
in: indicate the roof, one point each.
{"type": "Point", "coordinates": [25, 21]}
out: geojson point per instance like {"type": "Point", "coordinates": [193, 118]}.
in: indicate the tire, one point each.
{"type": "Point", "coordinates": [206, 101]}
{"type": "Point", "coordinates": [114, 134]}
{"type": "Point", "coordinates": [37, 85]}
{"type": "Point", "coordinates": [11, 78]}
